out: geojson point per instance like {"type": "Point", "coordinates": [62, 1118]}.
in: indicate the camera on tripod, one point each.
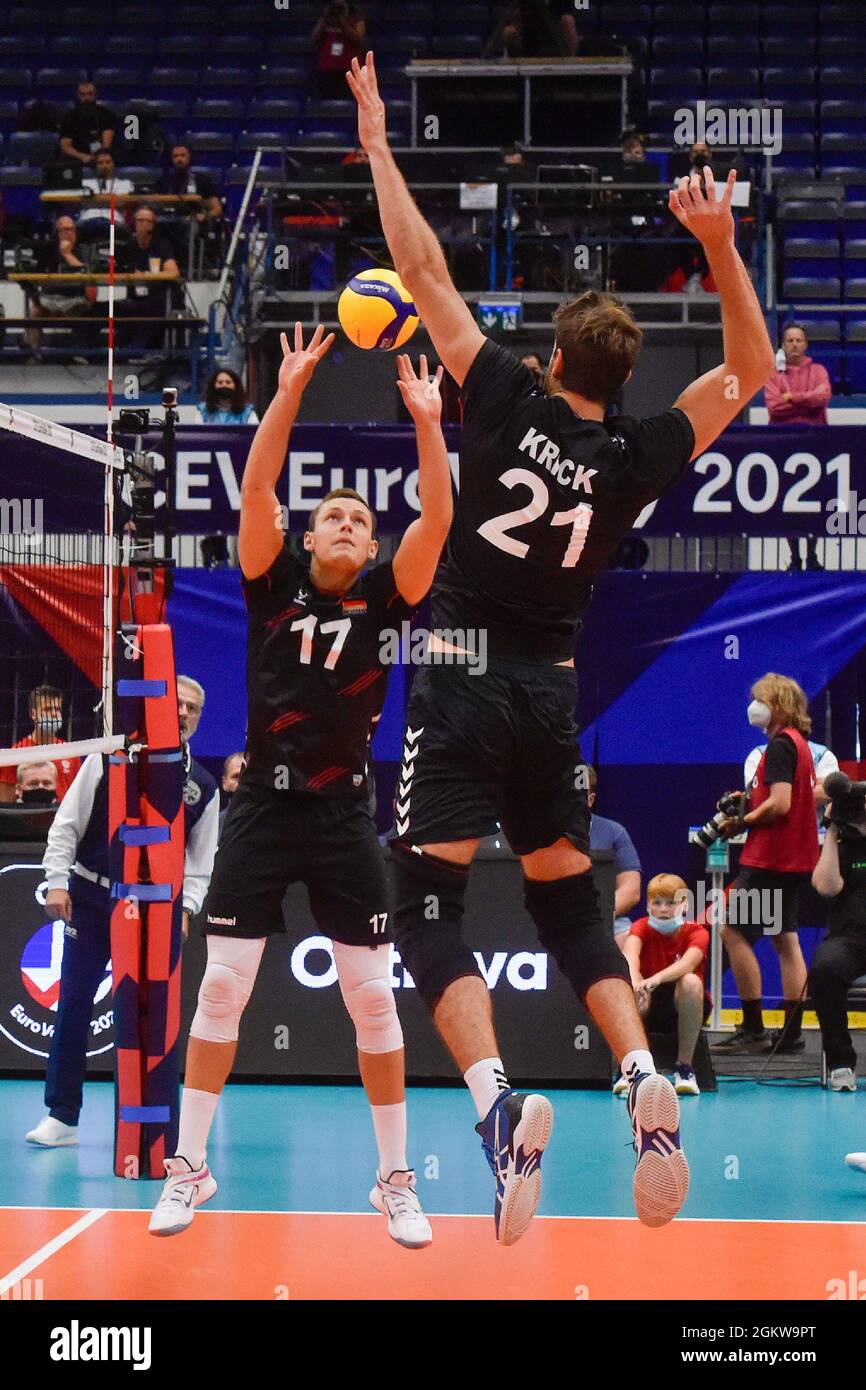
{"type": "Point", "coordinates": [731, 804]}
{"type": "Point", "coordinates": [848, 803]}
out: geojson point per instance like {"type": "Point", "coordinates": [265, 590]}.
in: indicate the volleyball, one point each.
{"type": "Point", "coordinates": [376, 310]}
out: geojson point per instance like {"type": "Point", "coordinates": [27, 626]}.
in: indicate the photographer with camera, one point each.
{"type": "Point", "coordinates": [339, 36]}
{"type": "Point", "coordinates": [840, 875]}
{"type": "Point", "coordinates": [780, 853]}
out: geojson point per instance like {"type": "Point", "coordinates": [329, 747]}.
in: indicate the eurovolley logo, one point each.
{"type": "Point", "coordinates": [41, 962]}
{"type": "Point", "coordinates": [30, 969]}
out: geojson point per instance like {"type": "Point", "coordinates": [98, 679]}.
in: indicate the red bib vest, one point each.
{"type": "Point", "coordinates": [789, 845]}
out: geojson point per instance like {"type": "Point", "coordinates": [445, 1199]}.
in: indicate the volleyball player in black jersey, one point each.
{"type": "Point", "coordinates": [318, 641]}
{"type": "Point", "coordinates": [547, 490]}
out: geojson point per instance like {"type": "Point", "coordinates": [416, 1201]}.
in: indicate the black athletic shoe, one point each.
{"type": "Point", "coordinates": [789, 1044]}
{"type": "Point", "coordinates": [744, 1040]}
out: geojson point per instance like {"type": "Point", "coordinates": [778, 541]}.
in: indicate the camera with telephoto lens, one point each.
{"type": "Point", "coordinates": [848, 804]}
{"type": "Point", "coordinates": [731, 804]}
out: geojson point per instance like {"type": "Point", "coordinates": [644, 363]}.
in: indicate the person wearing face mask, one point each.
{"type": "Point", "coordinates": [78, 893]}
{"type": "Point", "coordinates": [780, 853]}
{"type": "Point", "coordinates": [667, 959]}
{"type": "Point", "coordinates": [36, 784]}
{"type": "Point", "coordinates": [46, 711]}
{"type": "Point", "coordinates": [225, 401]}
{"type": "Point", "coordinates": [823, 758]}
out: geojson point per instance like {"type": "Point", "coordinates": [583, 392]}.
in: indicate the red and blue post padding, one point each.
{"type": "Point", "coordinates": [146, 841]}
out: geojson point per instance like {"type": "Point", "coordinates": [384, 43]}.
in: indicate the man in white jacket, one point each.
{"type": "Point", "coordinates": [76, 871]}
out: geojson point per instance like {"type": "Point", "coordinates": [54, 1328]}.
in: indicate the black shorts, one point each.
{"type": "Point", "coordinates": [272, 839]}
{"type": "Point", "coordinates": [767, 902]}
{"type": "Point", "coordinates": [498, 748]}
{"type": "Point", "coordinates": [661, 1016]}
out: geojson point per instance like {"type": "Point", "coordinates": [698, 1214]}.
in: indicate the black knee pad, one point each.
{"type": "Point", "coordinates": [567, 914]}
{"type": "Point", "coordinates": [428, 914]}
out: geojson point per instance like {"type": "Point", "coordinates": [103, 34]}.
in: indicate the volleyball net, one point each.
{"type": "Point", "coordinates": [62, 519]}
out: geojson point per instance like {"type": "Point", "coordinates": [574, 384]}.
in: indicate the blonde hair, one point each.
{"type": "Point", "coordinates": [665, 886]}
{"type": "Point", "coordinates": [786, 699]}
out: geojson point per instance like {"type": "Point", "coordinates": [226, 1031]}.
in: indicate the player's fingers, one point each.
{"type": "Point", "coordinates": [440, 372]}
{"type": "Point", "coordinates": [401, 366]}
{"type": "Point", "coordinates": [423, 371]}
{"type": "Point", "coordinates": [324, 346]}
{"type": "Point", "coordinates": [317, 336]}
{"type": "Point", "coordinates": [729, 187]}
{"type": "Point", "coordinates": [299, 336]}
{"type": "Point", "coordinates": [284, 344]}
{"type": "Point", "coordinates": [675, 201]}
{"type": "Point", "coordinates": [695, 191]}
{"type": "Point", "coordinates": [710, 182]}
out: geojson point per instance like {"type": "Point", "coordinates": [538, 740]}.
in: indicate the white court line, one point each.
{"type": "Point", "coordinates": [481, 1216]}
{"type": "Point", "coordinates": [46, 1251]}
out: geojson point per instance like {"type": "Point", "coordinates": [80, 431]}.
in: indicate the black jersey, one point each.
{"type": "Point", "coordinates": [315, 676]}
{"type": "Point", "coordinates": [545, 497]}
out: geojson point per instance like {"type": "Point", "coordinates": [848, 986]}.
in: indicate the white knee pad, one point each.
{"type": "Point", "coordinates": [232, 965]}
{"type": "Point", "coordinates": [366, 989]}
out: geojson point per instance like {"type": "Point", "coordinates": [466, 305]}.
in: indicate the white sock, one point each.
{"type": "Point", "coordinates": [486, 1079]}
{"type": "Point", "coordinates": [637, 1060]}
{"type": "Point", "coordinates": [389, 1123]}
{"type": "Point", "coordinates": [197, 1109]}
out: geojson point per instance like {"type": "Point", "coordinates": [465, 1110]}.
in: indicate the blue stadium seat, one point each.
{"type": "Point", "coordinates": [855, 288]}
{"type": "Point", "coordinates": [823, 330]}
{"type": "Point", "coordinates": [853, 176]}
{"type": "Point", "coordinates": [840, 48]}
{"type": "Point", "coordinates": [833, 358]}
{"type": "Point", "coordinates": [8, 115]}
{"type": "Point", "coordinates": [621, 17]}
{"type": "Point", "coordinates": [733, 18]}
{"type": "Point", "coordinates": [855, 368]}
{"type": "Point", "coordinates": [670, 18]}
{"type": "Point", "coordinates": [796, 287]}
{"type": "Point", "coordinates": [854, 256]}
{"type": "Point", "coordinates": [676, 83]}
{"type": "Point", "coordinates": [173, 45]}
{"type": "Point", "coordinates": [210, 142]}
{"type": "Point", "coordinates": [161, 109]}
{"type": "Point", "coordinates": [409, 44]}
{"type": "Point", "coordinates": [845, 116]}
{"type": "Point", "coordinates": [838, 13]}
{"type": "Point", "coordinates": [842, 146]}
{"type": "Point", "coordinates": [788, 81]}
{"type": "Point", "coordinates": [134, 16]}
{"type": "Point", "coordinates": [811, 256]}
{"type": "Point", "coordinates": [14, 46]}
{"type": "Point", "coordinates": [32, 147]}
{"type": "Point", "coordinates": [779, 48]}
{"type": "Point", "coordinates": [240, 45]}
{"type": "Point", "coordinates": [666, 47]}
{"type": "Point", "coordinates": [220, 113]}
{"type": "Point", "coordinates": [192, 16]}
{"type": "Point", "coordinates": [123, 77]}
{"type": "Point", "coordinates": [855, 219]}
{"type": "Point", "coordinates": [248, 141]}
{"type": "Point", "coordinates": [142, 45]}
{"type": "Point", "coordinates": [332, 108]}
{"type": "Point", "coordinates": [466, 17]}
{"type": "Point", "coordinates": [798, 117]}
{"type": "Point", "coordinates": [788, 19]}
{"type": "Point", "coordinates": [322, 139]}
{"type": "Point", "coordinates": [292, 44]}
{"type": "Point", "coordinates": [730, 83]}
{"type": "Point", "coordinates": [855, 330]}
{"type": "Point", "coordinates": [844, 81]}
{"type": "Point", "coordinates": [733, 50]}
{"type": "Point", "coordinates": [275, 110]}
{"type": "Point", "coordinates": [65, 78]}
{"type": "Point", "coordinates": [25, 17]}
{"type": "Point", "coordinates": [277, 81]}
{"type": "Point", "coordinates": [174, 79]}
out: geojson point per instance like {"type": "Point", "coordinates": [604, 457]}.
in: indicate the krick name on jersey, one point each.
{"type": "Point", "coordinates": [548, 458]}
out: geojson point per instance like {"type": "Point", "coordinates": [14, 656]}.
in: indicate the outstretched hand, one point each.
{"type": "Point", "coordinates": [300, 362]}
{"type": "Point", "coordinates": [420, 393]}
{"type": "Point", "coordinates": [697, 208]}
{"type": "Point", "coordinates": [372, 131]}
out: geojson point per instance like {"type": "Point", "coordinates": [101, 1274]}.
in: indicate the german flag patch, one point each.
{"type": "Point", "coordinates": [354, 605]}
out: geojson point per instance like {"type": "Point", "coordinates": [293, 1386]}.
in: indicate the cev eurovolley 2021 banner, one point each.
{"type": "Point", "coordinates": [758, 481]}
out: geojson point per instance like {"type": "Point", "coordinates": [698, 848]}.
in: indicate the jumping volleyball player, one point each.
{"type": "Point", "coordinates": [547, 490]}
{"type": "Point", "coordinates": [315, 683]}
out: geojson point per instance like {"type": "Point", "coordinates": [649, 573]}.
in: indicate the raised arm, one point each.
{"type": "Point", "coordinates": [419, 550]}
{"type": "Point", "coordinates": [717, 397]}
{"type": "Point", "coordinates": [414, 247]}
{"type": "Point", "coordinates": [260, 536]}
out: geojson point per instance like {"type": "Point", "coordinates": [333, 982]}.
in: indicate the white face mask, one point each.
{"type": "Point", "coordinates": [759, 714]}
{"type": "Point", "coordinates": [666, 927]}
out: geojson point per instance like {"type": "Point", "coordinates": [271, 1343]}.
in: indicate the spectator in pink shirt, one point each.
{"type": "Point", "coordinates": [799, 394]}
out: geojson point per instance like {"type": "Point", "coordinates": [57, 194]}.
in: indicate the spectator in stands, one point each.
{"type": "Point", "coordinates": [536, 366]}
{"type": "Point", "coordinates": [339, 36]}
{"type": "Point", "coordinates": [103, 180]}
{"type": "Point", "coordinates": [780, 853]}
{"type": "Point", "coordinates": [88, 127]}
{"type": "Point", "coordinates": [148, 252]}
{"type": "Point", "coordinates": [62, 256]}
{"type": "Point", "coordinates": [36, 784]}
{"type": "Point", "coordinates": [840, 959]}
{"type": "Point", "coordinates": [800, 393]}
{"type": "Point", "coordinates": [225, 401]}
{"type": "Point", "coordinates": [667, 958]}
{"type": "Point", "coordinates": [182, 178]}
{"type": "Point", "coordinates": [534, 28]}
{"type": "Point", "coordinates": [607, 834]}
{"type": "Point", "coordinates": [633, 147]}
{"type": "Point", "coordinates": [45, 706]}
{"type": "Point", "coordinates": [231, 775]}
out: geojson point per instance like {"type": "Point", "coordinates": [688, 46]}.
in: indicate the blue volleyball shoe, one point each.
{"type": "Point", "coordinates": [661, 1175]}
{"type": "Point", "coordinates": [514, 1135]}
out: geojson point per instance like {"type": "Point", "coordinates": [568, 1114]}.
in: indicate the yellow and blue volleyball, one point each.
{"type": "Point", "coordinates": [376, 310]}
